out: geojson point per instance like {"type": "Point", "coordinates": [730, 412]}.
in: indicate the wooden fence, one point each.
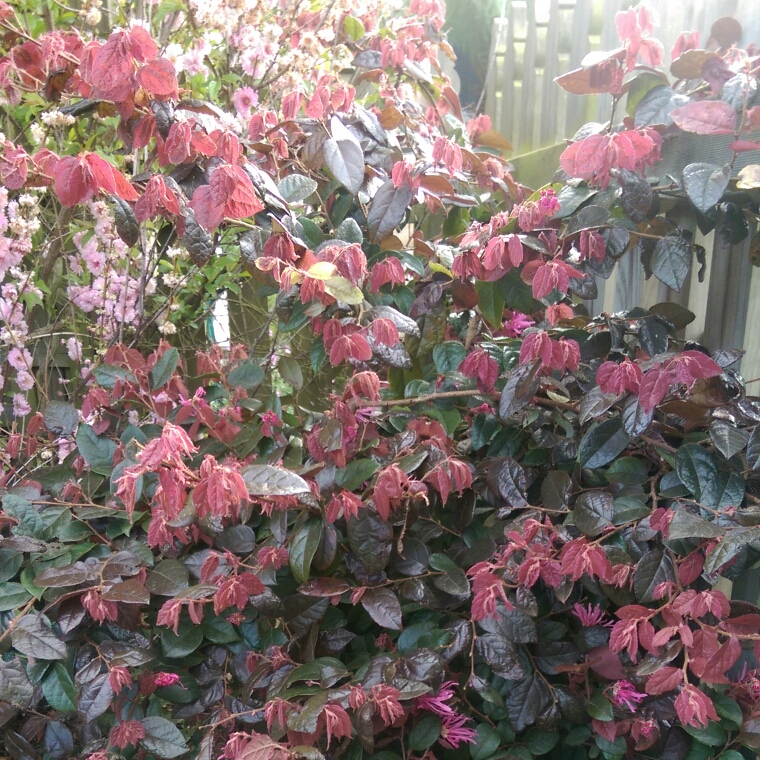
{"type": "Point", "coordinates": [537, 40]}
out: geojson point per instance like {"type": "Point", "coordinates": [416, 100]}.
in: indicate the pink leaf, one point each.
{"type": "Point", "coordinates": [706, 117]}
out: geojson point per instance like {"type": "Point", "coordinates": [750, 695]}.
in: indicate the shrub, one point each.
{"type": "Point", "coordinates": [428, 506]}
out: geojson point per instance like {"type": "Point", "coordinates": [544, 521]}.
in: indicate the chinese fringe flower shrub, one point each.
{"type": "Point", "coordinates": [423, 506]}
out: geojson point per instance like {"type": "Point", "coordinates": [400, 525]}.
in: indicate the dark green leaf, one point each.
{"type": "Point", "coordinates": [370, 539]}
{"type": "Point", "coordinates": [344, 156]}
{"type": "Point", "coordinates": [602, 443]}
{"type": "Point", "coordinates": [522, 384]}
{"type": "Point", "coordinates": [127, 227]}
{"type": "Point", "coordinates": [714, 735]}
{"type": "Point", "coordinates": [355, 473]}
{"type": "Point", "coordinates": [600, 708]}
{"type": "Point", "coordinates": [698, 471]}
{"type": "Point", "coordinates": [448, 356]}
{"type": "Point", "coordinates": [164, 369]}
{"type": "Point", "coordinates": [59, 689]}
{"type": "Point", "coordinates": [303, 547]}
{"type": "Point", "coordinates": [490, 302]}
{"type": "Point", "coordinates": [627, 471]}
{"type": "Point", "coordinates": [13, 596]}
{"type": "Point", "coordinates": [671, 261]}
{"type": "Point", "coordinates": [383, 607]}
{"type": "Point", "coordinates": [168, 578]}
{"type": "Point", "coordinates": [540, 741]}
{"type": "Point", "coordinates": [517, 294]}
{"type": "Point", "coordinates": [349, 232]}
{"type": "Point", "coordinates": [388, 209]}
{"type": "Point", "coordinates": [296, 188]}
{"type": "Point", "coordinates": [96, 450]}
{"type": "Point", "coordinates": [163, 738]}
{"type": "Point", "coordinates": [593, 513]}
{"type": "Point", "coordinates": [34, 637]}
{"type": "Point", "coordinates": [247, 375]}
{"type": "Point", "coordinates": [652, 569]}
{"type": "Point", "coordinates": [728, 439]}
{"type": "Point", "coordinates": [266, 480]}
{"type": "Point", "coordinates": [178, 645]}
{"type": "Point", "coordinates": [290, 371]}
{"type": "Point", "coordinates": [60, 418]}
{"type": "Point", "coordinates": [728, 709]}
{"type": "Point", "coordinates": [425, 733]}
{"type": "Point", "coordinates": [705, 184]}
{"type": "Point", "coordinates": [556, 489]}
{"type": "Point", "coordinates": [527, 700]}
{"type": "Point", "coordinates": [487, 741]}
{"type": "Point", "coordinates": [107, 375]}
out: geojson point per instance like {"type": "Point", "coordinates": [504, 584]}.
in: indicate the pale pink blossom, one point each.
{"type": "Point", "coordinates": [74, 349]}
{"type": "Point", "coordinates": [20, 405]}
{"type": "Point", "coordinates": [24, 380]}
{"type": "Point", "coordinates": [245, 100]}
{"type": "Point", "coordinates": [20, 359]}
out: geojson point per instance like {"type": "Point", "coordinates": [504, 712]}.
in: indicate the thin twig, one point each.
{"type": "Point", "coordinates": [423, 399]}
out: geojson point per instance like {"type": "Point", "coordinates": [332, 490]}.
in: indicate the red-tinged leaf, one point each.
{"type": "Point", "coordinates": [694, 707]}
{"type": "Point", "coordinates": [242, 200]}
{"type": "Point", "coordinates": [693, 365]}
{"type": "Point", "coordinates": [261, 747]}
{"type": "Point", "coordinates": [102, 171]}
{"type": "Point", "coordinates": [74, 181]}
{"type": "Point", "coordinates": [322, 587]}
{"type": "Point", "coordinates": [141, 44]}
{"type": "Point", "coordinates": [706, 117]}
{"type": "Point", "coordinates": [665, 679]}
{"type": "Point", "coordinates": [451, 95]}
{"type": "Point", "coordinates": [124, 189]}
{"type": "Point", "coordinates": [14, 167]}
{"type": "Point", "coordinates": [159, 78]}
{"type": "Point", "coordinates": [742, 624]}
{"type": "Point", "coordinates": [633, 612]}
{"type": "Point", "coordinates": [583, 158]}
{"type": "Point", "coordinates": [130, 591]}
{"type": "Point", "coordinates": [603, 76]}
{"type": "Point", "coordinates": [654, 387]}
{"type": "Point", "coordinates": [207, 213]}
{"type": "Point", "coordinates": [493, 139]}
{"type": "Point", "coordinates": [740, 146]}
{"type": "Point", "coordinates": [109, 179]}
{"type": "Point", "coordinates": [113, 66]}
{"type": "Point", "coordinates": [691, 568]}
{"type": "Point", "coordinates": [721, 662]}
{"type": "Point", "coordinates": [606, 663]}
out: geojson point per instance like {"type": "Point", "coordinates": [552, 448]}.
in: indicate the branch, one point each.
{"type": "Point", "coordinates": [428, 397]}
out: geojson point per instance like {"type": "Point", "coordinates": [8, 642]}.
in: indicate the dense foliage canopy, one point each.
{"type": "Point", "coordinates": [424, 506]}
